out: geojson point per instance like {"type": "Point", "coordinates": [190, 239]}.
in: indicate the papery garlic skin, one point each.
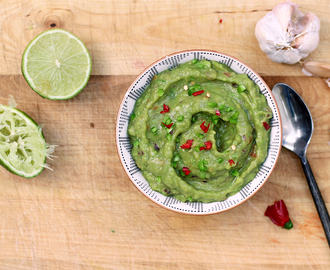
{"type": "Point", "coordinates": [286, 35]}
{"type": "Point", "coordinates": [328, 82]}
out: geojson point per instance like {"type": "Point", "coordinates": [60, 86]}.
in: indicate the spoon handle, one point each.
{"type": "Point", "coordinates": [317, 197]}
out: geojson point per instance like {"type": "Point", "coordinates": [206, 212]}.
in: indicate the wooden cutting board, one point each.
{"type": "Point", "coordinates": [86, 214]}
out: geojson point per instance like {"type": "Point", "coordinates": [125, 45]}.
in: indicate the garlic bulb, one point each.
{"type": "Point", "coordinates": [286, 35]}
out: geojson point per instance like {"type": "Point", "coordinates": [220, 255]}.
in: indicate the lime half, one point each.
{"type": "Point", "coordinates": [56, 64]}
{"type": "Point", "coordinates": [23, 149]}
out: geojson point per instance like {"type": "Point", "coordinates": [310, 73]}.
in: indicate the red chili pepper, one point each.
{"type": "Point", "coordinates": [279, 215]}
{"type": "Point", "coordinates": [198, 93]}
{"type": "Point", "coordinates": [231, 162]}
{"type": "Point", "coordinates": [187, 145]}
{"type": "Point", "coordinates": [208, 146]}
{"type": "Point", "coordinates": [220, 21]}
{"type": "Point", "coordinates": [266, 126]}
{"type": "Point", "coordinates": [217, 112]}
{"type": "Point", "coordinates": [168, 126]}
{"type": "Point", "coordinates": [166, 109]}
{"type": "Point", "coordinates": [205, 128]}
{"type": "Point", "coordinates": [186, 170]}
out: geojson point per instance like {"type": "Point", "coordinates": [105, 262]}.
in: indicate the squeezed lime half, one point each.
{"type": "Point", "coordinates": [56, 64]}
{"type": "Point", "coordinates": [23, 149]}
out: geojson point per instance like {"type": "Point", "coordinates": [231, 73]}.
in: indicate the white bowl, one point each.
{"type": "Point", "coordinates": [123, 143]}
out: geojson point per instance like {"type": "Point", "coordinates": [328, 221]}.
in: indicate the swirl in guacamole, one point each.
{"type": "Point", "coordinates": [200, 131]}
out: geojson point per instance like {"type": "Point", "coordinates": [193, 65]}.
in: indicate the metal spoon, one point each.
{"type": "Point", "coordinates": [297, 126]}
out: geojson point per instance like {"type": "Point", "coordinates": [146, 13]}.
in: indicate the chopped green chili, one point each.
{"type": "Point", "coordinates": [241, 88]}
{"type": "Point", "coordinates": [201, 165]}
{"type": "Point", "coordinates": [219, 160]}
{"type": "Point", "coordinates": [194, 88]}
{"type": "Point", "coordinates": [132, 116]}
{"type": "Point", "coordinates": [136, 143]}
{"type": "Point", "coordinates": [165, 118]}
{"type": "Point", "coordinates": [222, 106]}
{"type": "Point", "coordinates": [154, 130]}
{"type": "Point", "coordinates": [232, 121]}
{"type": "Point", "coordinates": [180, 118]}
{"type": "Point", "coordinates": [199, 135]}
{"type": "Point", "coordinates": [160, 92]}
{"type": "Point", "coordinates": [168, 121]}
{"type": "Point", "coordinates": [212, 104]}
{"type": "Point", "coordinates": [235, 115]}
{"type": "Point", "coordinates": [215, 119]}
{"type": "Point", "coordinates": [234, 173]}
{"type": "Point", "coordinates": [169, 137]}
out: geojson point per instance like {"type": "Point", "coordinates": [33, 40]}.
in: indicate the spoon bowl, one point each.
{"type": "Point", "coordinates": [297, 130]}
{"type": "Point", "coordinates": [296, 119]}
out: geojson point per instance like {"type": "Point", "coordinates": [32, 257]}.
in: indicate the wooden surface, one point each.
{"type": "Point", "coordinates": [86, 214]}
{"type": "Point", "coordinates": [123, 37]}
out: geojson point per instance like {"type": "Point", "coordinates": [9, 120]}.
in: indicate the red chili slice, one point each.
{"type": "Point", "coordinates": [208, 146]}
{"type": "Point", "coordinates": [205, 128]}
{"type": "Point", "coordinates": [231, 162]}
{"type": "Point", "coordinates": [279, 214]}
{"type": "Point", "coordinates": [198, 93]}
{"type": "Point", "coordinates": [166, 109]}
{"type": "Point", "coordinates": [186, 170]}
{"type": "Point", "coordinates": [217, 112]}
{"type": "Point", "coordinates": [168, 126]}
{"type": "Point", "coordinates": [187, 145]}
{"type": "Point", "coordinates": [266, 126]}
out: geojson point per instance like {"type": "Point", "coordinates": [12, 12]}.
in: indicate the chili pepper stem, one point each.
{"type": "Point", "coordinates": [288, 225]}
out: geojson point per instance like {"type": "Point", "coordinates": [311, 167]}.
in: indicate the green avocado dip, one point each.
{"type": "Point", "coordinates": [200, 131]}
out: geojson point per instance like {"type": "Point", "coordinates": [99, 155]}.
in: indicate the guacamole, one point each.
{"type": "Point", "coordinates": [200, 131]}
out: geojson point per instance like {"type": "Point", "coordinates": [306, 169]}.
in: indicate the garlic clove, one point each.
{"type": "Point", "coordinates": [308, 43]}
{"type": "Point", "coordinates": [283, 13]}
{"type": "Point", "coordinates": [306, 72]}
{"type": "Point", "coordinates": [308, 40]}
{"type": "Point", "coordinates": [316, 68]}
{"type": "Point", "coordinates": [300, 24]}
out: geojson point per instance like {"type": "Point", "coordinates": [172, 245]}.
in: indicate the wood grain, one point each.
{"type": "Point", "coordinates": [86, 214]}
{"type": "Point", "coordinates": [124, 37]}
